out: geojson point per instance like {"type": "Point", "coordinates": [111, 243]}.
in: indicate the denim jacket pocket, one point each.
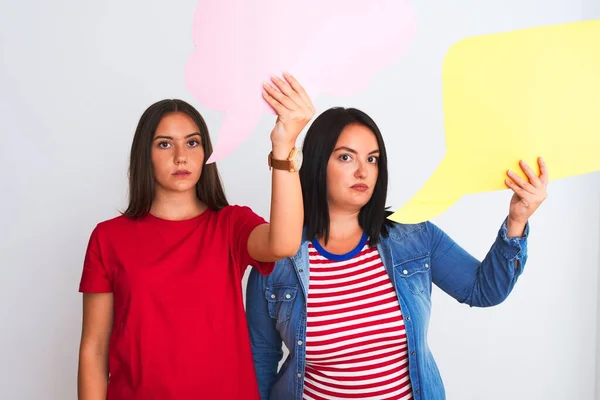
{"type": "Point", "coordinates": [415, 273]}
{"type": "Point", "coordinates": [281, 301]}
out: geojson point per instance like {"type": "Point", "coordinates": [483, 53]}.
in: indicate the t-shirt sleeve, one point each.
{"type": "Point", "coordinates": [95, 277]}
{"type": "Point", "coordinates": [243, 222]}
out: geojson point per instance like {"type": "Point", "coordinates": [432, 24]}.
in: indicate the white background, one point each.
{"type": "Point", "coordinates": [75, 77]}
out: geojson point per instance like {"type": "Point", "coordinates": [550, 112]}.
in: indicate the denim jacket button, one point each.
{"type": "Point", "coordinates": [408, 318]}
{"type": "Point", "coordinates": [405, 272]}
{"type": "Point", "coordinates": [299, 342]}
{"type": "Point", "coordinates": [273, 296]}
{"type": "Point", "coordinates": [426, 265]}
{"type": "Point", "coordinates": [299, 375]}
{"type": "Point", "coordinates": [288, 296]}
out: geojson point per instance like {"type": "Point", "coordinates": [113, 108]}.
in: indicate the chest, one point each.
{"type": "Point", "coordinates": [161, 264]}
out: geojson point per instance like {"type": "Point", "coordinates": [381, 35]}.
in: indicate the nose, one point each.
{"type": "Point", "coordinates": [180, 155]}
{"type": "Point", "coordinates": [361, 170]}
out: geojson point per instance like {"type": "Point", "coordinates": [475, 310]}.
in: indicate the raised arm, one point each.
{"type": "Point", "coordinates": [489, 282]}
{"type": "Point", "coordinates": [281, 238]}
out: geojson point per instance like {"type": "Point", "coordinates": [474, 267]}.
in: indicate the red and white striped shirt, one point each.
{"type": "Point", "coordinates": [356, 344]}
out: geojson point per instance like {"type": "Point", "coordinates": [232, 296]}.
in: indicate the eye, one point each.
{"type": "Point", "coordinates": [373, 159]}
{"type": "Point", "coordinates": [164, 145]}
{"type": "Point", "coordinates": [345, 157]}
{"type": "Point", "coordinates": [193, 143]}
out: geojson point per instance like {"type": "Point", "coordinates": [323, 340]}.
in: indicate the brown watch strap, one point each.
{"type": "Point", "coordinates": [285, 165]}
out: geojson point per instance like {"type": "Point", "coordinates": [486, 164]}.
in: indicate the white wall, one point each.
{"type": "Point", "coordinates": [74, 78]}
{"type": "Point", "coordinates": [591, 10]}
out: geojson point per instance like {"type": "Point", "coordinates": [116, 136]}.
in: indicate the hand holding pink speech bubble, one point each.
{"type": "Point", "coordinates": [332, 46]}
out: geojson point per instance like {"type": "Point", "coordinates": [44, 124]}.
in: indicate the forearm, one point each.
{"type": "Point", "coordinates": [265, 339]}
{"type": "Point", "coordinates": [92, 380]}
{"type": "Point", "coordinates": [479, 284]}
{"type": "Point", "coordinates": [287, 213]}
{"type": "Point", "coordinates": [495, 281]}
{"type": "Point", "coordinates": [266, 362]}
{"type": "Point", "coordinates": [501, 267]}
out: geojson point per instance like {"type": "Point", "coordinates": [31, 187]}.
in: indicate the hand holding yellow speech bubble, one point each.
{"type": "Point", "coordinates": [515, 96]}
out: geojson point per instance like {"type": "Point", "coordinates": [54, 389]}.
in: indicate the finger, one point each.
{"type": "Point", "coordinates": [521, 182]}
{"type": "Point", "coordinates": [280, 97]}
{"type": "Point", "coordinates": [515, 188]}
{"type": "Point", "coordinates": [299, 89]}
{"type": "Point", "coordinates": [275, 105]}
{"type": "Point", "coordinates": [544, 177]}
{"type": "Point", "coordinates": [531, 175]}
{"type": "Point", "coordinates": [287, 90]}
{"type": "Point", "coordinates": [519, 191]}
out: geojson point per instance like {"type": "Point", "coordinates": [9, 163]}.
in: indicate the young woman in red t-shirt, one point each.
{"type": "Point", "coordinates": [163, 315]}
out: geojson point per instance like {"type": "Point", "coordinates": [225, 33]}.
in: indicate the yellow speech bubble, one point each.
{"type": "Point", "coordinates": [515, 96]}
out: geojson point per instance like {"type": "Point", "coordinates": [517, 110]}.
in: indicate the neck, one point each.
{"type": "Point", "coordinates": [176, 205]}
{"type": "Point", "coordinates": [343, 224]}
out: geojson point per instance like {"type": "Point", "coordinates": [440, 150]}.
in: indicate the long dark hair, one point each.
{"type": "Point", "coordinates": [141, 176]}
{"type": "Point", "coordinates": [318, 145]}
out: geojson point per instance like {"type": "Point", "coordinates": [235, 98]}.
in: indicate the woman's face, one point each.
{"type": "Point", "coordinates": [353, 168]}
{"type": "Point", "coordinates": [177, 153]}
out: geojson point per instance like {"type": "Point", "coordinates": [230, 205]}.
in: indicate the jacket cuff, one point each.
{"type": "Point", "coordinates": [515, 247]}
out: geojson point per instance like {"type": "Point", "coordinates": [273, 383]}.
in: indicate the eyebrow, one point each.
{"type": "Point", "coordinates": [171, 138]}
{"type": "Point", "coordinates": [348, 149]}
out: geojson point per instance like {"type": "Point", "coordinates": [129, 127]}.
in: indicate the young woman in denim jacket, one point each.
{"type": "Point", "coordinates": [355, 317]}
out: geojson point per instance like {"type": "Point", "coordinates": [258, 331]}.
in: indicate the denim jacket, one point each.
{"type": "Point", "coordinates": [414, 256]}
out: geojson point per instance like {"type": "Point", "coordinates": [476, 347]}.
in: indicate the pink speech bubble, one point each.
{"type": "Point", "coordinates": [331, 46]}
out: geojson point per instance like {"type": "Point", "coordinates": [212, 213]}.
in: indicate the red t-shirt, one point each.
{"type": "Point", "coordinates": [179, 327]}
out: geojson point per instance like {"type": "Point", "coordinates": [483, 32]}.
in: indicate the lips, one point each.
{"type": "Point", "coordinates": [360, 187]}
{"type": "Point", "coordinates": [182, 172]}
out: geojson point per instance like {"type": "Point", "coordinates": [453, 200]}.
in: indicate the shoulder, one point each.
{"type": "Point", "coordinates": [399, 232]}
{"type": "Point", "coordinates": [240, 215]}
{"type": "Point", "coordinates": [114, 225]}
{"type": "Point", "coordinates": [235, 210]}
{"type": "Point", "coordinates": [109, 231]}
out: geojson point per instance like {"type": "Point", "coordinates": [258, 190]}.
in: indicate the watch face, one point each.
{"type": "Point", "coordinates": [298, 160]}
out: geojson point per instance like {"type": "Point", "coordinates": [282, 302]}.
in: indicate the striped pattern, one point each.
{"type": "Point", "coordinates": [355, 339]}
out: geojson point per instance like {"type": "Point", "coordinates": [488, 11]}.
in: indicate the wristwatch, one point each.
{"type": "Point", "coordinates": [292, 164]}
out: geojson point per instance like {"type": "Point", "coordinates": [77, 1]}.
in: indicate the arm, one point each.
{"type": "Point", "coordinates": [266, 341]}
{"type": "Point", "coordinates": [281, 238]}
{"type": "Point", "coordinates": [96, 286]}
{"type": "Point", "coordinates": [478, 284]}
{"type": "Point", "coordinates": [92, 377]}
{"type": "Point", "coordinates": [488, 283]}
